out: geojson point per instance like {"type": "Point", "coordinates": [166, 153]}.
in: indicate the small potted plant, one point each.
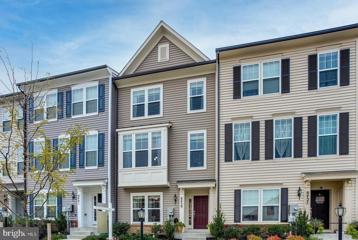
{"type": "Point", "coordinates": [179, 227]}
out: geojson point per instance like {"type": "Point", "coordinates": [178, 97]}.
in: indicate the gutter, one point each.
{"type": "Point", "coordinates": [109, 154]}
{"type": "Point", "coordinates": [218, 129]}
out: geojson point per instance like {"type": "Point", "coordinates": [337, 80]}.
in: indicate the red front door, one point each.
{"type": "Point", "coordinates": [201, 209]}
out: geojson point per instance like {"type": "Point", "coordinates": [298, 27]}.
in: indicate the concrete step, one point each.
{"type": "Point", "coordinates": [194, 234]}
{"type": "Point", "coordinates": [80, 233]}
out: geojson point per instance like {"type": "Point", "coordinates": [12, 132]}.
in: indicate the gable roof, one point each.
{"type": "Point", "coordinates": [162, 29]}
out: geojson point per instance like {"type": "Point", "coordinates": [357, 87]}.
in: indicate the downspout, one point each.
{"type": "Point", "coordinates": [109, 154]}
{"type": "Point", "coordinates": [218, 129]}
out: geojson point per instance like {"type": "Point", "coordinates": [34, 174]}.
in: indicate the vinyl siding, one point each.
{"type": "Point", "coordinates": [176, 57]}
{"type": "Point", "coordinates": [97, 122]}
{"type": "Point", "coordinates": [299, 102]}
{"type": "Point", "coordinates": [174, 111]}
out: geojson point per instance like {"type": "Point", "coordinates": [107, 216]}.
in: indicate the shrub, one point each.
{"type": "Point", "coordinates": [316, 224]}
{"type": "Point", "coordinates": [61, 223]}
{"type": "Point", "coordinates": [278, 230]}
{"type": "Point", "coordinates": [301, 226]}
{"type": "Point", "coordinates": [275, 237]}
{"type": "Point", "coordinates": [120, 229]}
{"type": "Point", "coordinates": [251, 230]}
{"type": "Point", "coordinates": [102, 236]}
{"type": "Point", "coordinates": [156, 229]}
{"type": "Point", "coordinates": [295, 237]}
{"type": "Point", "coordinates": [217, 226]}
{"type": "Point", "coordinates": [253, 237]}
{"type": "Point", "coordinates": [231, 232]}
{"type": "Point", "coordinates": [58, 236]}
{"type": "Point", "coordinates": [352, 230]}
{"type": "Point", "coordinates": [169, 230]}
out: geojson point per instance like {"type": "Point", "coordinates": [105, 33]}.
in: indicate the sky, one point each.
{"type": "Point", "coordinates": [69, 35]}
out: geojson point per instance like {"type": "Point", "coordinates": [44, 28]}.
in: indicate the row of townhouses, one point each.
{"type": "Point", "coordinates": [265, 128]}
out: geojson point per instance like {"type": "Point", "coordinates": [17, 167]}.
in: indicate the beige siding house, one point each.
{"type": "Point", "coordinates": [166, 133]}
{"type": "Point", "coordinates": [288, 132]}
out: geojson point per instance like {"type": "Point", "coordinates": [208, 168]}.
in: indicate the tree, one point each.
{"type": "Point", "coordinates": [41, 167]}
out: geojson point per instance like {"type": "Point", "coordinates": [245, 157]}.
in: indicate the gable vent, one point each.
{"type": "Point", "coordinates": [163, 52]}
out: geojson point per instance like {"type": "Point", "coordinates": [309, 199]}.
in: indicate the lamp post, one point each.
{"type": "Point", "coordinates": [141, 219]}
{"type": "Point", "coordinates": [340, 211]}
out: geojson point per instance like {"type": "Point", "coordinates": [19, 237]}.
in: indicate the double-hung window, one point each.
{"type": "Point", "coordinates": [85, 99]}
{"type": "Point", "coordinates": [197, 149]}
{"type": "Point", "coordinates": [327, 134]}
{"type": "Point", "coordinates": [39, 108]}
{"type": "Point", "coordinates": [6, 120]}
{"type": "Point", "coordinates": [242, 141]}
{"type": "Point", "coordinates": [197, 95]}
{"type": "Point", "coordinates": [46, 106]}
{"type": "Point", "coordinates": [250, 80]}
{"type": "Point", "coordinates": [152, 205]}
{"type": "Point", "coordinates": [20, 117]}
{"type": "Point", "coordinates": [271, 77]}
{"type": "Point", "coordinates": [328, 69]}
{"type": "Point", "coordinates": [146, 102]}
{"type": "Point", "coordinates": [283, 138]}
{"type": "Point", "coordinates": [91, 149]}
{"type": "Point", "coordinates": [142, 149]}
{"type": "Point", "coordinates": [45, 208]}
{"type": "Point", "coordinates": [260, 205]}
{"type": "Point", "coordinates": [20, 160]}
{"type": "Point", "coordinates": [39, 148]}
{"type": "Point", "coordinates": [65, 153]}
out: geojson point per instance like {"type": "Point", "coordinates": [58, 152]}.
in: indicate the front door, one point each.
{"type": "Point", "coordinates": [201, 209]}
{"type": "Point", "coordinates": [320, 206]}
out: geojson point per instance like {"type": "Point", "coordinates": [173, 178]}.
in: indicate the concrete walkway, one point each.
{"type": "Point", "coordinates": [331, 236]}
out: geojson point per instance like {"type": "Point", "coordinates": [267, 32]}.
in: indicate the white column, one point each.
{"type": "Point", "coordinates": [307, 197]}
{"type": "Point", "coordinates": [79, 206]}
{"type": "Point", "coordinates": [347, 200]}
{"type": "Point", "coordinates": [104, 193]}
{"type": "Point", "coordinates": [182, 205]}
{"type": "Point", "coordinates": [212, 203]}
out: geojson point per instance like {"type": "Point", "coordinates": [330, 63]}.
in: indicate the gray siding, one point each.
{"type": "Point", "coordinates": [176, 57]}
{"type": "Point", "coordinates": [174, 111]}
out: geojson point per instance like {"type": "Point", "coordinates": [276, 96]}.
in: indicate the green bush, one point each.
{"type": "Point", "coordinates": [120, 229]}
{"type": "Point", "coordinates": [136, 236]}
{"type": "Point", "coordinates": [217, 226]}
{"type": "Point", "coordinates": [58, 236]}
{"type": "Point", "coordinates": [61, 223]}
{"type": "Point", "coordinates": [301, 225]}
{"type": "Point", "coordinates": [352, 230]}
{"type": "Point", "coordinates": [102, 236]}
{"type": "Point", "coordinates": [316, 224]}
{"type": "Point", "coordinates": [156, 229]}
{"type": "Point", "coordinates": [251, 230]}
{"type": "Point", "coordinates": [169, 230]}
{"type": "Point", "coordinates": [279, 230]}
{"type": "Point", "coordinates": [231, 232]}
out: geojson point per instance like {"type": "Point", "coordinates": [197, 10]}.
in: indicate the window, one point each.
{"type": "Point", "coordinates": [20, 160]}
{"type": "Point", "coordinates": [146, 102]}
{"type": "Point", "coordinates": [283, 138]}
{"type": "Point", "coordinates": [43, 208]}
{"type": "Point", "coordinates": [65, 158]}
{"type": "Point", "coordinates": [152, 205]}
{"type": "Point", "coordinates": [261, 78]}
{"type": "Point", "coordinates": [242, 141]}
{"type": "Point", "coordinates": [197, 149]}
{"type": "Point", "coordinates": [39, 147]}
{"type": "Point", "coordinates": [327, 134]}
{"type": "Point", "coordinates": [163, 52]}
{"type": "Point", "coordinates": [91, 149]}
{"type": "Point", "coordinates": [260, 205]}
{"type": "Point", "coordinates": [20, 117]}
{"type": "Point", "coordinates": [46, 106]}
{"type": "Point", "coordinates": [142, 149]}
{"type": "Point", "coordinates": [328, 69]}
{"type": "Point", "coordinates": [6, 120]}
{"type": "Point", "coordinates": [196, 95]}
{"type": "Point", "coordinates": [85, 99]}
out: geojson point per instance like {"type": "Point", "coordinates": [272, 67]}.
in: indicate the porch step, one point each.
{"type": "Point", "coordinates": [195, 234]}
{"type": "Point", "coordinates": [80, 233]}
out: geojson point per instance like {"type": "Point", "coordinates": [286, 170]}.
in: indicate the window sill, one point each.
{"type": "Point", "coordinates": [94, 167]}
{"type": "Point", "coordinates": [64, 169]}
{"type": "Point", "coordinates": [196, 111]}
{"type": "Point", "coordinates": [196, 168]}
{"type": "Point", "coordinates": [146, 117]}
{"type": "Point", "coordinates": [85, 115]}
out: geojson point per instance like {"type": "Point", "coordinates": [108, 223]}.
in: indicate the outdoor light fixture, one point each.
{"type": "Point", "coordinates": [141, 213]}
{"type": "Point", "coordinates": [175, 198]}
{"type": "Point", "coordinates": [299, 193]}
{"type": "Point", "coordinates": [340, 211]}
{"type": "Point", "coordinates": [73, 196]}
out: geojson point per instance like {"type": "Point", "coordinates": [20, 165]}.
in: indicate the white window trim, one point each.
{"type": "Point", "coordinates": [164, 146]}
{"type": "Point", "coordinates": [44, 107]}
{"type": "Point", "coordinates": [233, 140]}
{"type": "Point", "coordinates": [261, 205]}
{"type": "Point", "coordinates": [44, 193]}
{"type": "Point", "coordinates": [338, 68]}
{"type": "Point", "coordinates": [146, 102]}
{"type": "Point", "coordinates": [337, 134]}
{"type": "Point", "coordinates": [261, 79]}
{"type": "Point", "coordinates": [189, 95]}
{"type": "Point", "coordinates": [292, 137]}
{"type": "Point", "coordinates": [89, 134]}
{"type": "Point", "coordinates": [84, 86]}
{"type": "Point", "coordinates": [64, 136]}
{"type": "Point", "coordinates": [166, 46]}
{"type": "Point", "coordinates": [146, 194]}
{"type": "Point", "coordinates": [189, 150]}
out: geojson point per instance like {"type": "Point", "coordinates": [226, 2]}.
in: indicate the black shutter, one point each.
{"type": "Point", "coordinates": [59, 205]}
{"type": "Point", "coordinates": [312, 136]}
{"type": "Point", "coordinates": [73, 156]}
{"type": "Point", "coordinates": [255, 138]}
{"type": "Point", "coordinates": [101, 98]}
{"type": "Point", "coordinates": [344, 67]}
{"type": "Point", "coordinates": [237, 206]}
{"type": "Point", "coordinates": [31, 110]}
{"type": "Point", "coordinates": [297, 142]}
{"type": "Point", "coordinates": [284, 204]}
{"type": "Point", "coordinates": [100, 149]}
{"type": "Point", "coordinates": [285, 75]}
{"type": "Point", "coordinates": [82, 152]}
{"type": "Point", "coordinates": [60, 105]}
{"type": "Point", "coordinates": [312, 72]}
{"type": "Point", "coordinates": [344, 133]}
{"type": "Point", "coordinates": [228, 142]}
{"type": "Point", "coordinates": [237, 82]}
{"type": "Point", "coordinates": [268, 139]}
{"type": "Point", "coordinates": [68, 104]}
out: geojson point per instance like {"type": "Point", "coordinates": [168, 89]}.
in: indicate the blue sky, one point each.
{"type": "Point", "coordinates": [70, 35]}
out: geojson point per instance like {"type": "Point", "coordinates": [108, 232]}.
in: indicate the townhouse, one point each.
{"type": "Point", "coordinates": [166, 133]}
{"type": "Point", "coordinates": [287, 127]}
{"type": "Point", "coordinates": [65, 101]}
